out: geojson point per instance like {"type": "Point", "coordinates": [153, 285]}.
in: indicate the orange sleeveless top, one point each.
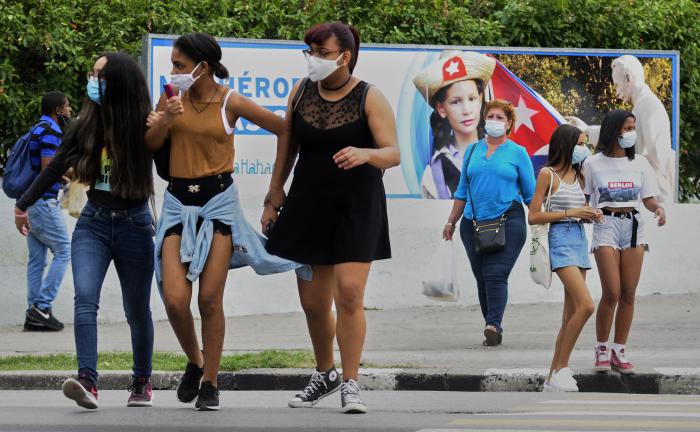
{"type": "Point", "coordinates": [201, 143]}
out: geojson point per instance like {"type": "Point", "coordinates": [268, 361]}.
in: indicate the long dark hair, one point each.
{"type": "Point", "coordinates": [610, 132]}
{"type": "Point", "coordinates": [442, 131]}
{"type": "Point", "coordinates": [347, 36]}
{"type": "Point", "coordinates": [119, 124]}
{"type": "Point", "coordinates": [202, 47]}
{"type": "Point", "coordinates": [561, 148]}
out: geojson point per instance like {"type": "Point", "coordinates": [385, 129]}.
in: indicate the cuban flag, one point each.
{"type": "Point", "coordinates": [535, 118]}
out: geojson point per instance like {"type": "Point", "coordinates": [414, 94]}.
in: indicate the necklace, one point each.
{"type": "Point", "coordinates": [339, 87]}
{"type": "Point", "coordinates": [198, 111]}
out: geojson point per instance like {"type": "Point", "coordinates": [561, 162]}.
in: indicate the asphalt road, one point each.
{"type": "Point", "coordinates": [393, 411]}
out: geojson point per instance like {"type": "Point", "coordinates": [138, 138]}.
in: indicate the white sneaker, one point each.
{"type": "Point", "coordinates": [350, 398]}
{"type": "Point", "coordinates": [549, 387]}
{"type": "Point", "coordinates": [565, 381]}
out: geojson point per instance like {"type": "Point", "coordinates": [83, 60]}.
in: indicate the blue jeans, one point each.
{"type": "Point", "coordinates": [492, 270]}
{"type": "Point", "coordinates": [48, 232]}
{"type": "Point", "coordinates": [124, 236]}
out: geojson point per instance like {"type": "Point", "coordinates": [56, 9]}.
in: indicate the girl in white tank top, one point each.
{"type": "Point", "coordinates": [565, 210]}
{"type": "Point", "coordinates": [566, 196]}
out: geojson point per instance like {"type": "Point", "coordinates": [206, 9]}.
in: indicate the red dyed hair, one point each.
{"type": "Point", "coordinates": [347, 36]}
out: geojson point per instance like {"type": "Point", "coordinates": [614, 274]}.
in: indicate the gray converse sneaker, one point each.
{"type": "Point", "coordinates": [350, 398]}
{"type": "Point", "coordinates": [320, 385]}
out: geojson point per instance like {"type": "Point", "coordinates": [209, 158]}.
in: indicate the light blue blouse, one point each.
{"type": "Point", "coordinates": [497, 181]}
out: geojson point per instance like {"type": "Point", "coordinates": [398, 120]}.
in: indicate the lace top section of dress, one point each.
{"type": "Point", "coordinates": [323, 114]}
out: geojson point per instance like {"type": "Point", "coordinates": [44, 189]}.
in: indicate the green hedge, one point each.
{"type": "Point", "coordinates": [50, 44]}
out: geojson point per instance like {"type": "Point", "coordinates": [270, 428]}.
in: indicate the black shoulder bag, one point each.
{"type": "Point", "coordinates": [161, 157]}
{"type": "Point", "coordinates": [489, 235]}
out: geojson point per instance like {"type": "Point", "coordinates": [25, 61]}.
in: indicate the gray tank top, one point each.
{"type": "Point", "coordinates": [566, 197]}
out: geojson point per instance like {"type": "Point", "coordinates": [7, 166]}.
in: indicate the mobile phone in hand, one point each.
{"type": "Point", "coordinates": [270, 226]}
{"type": "Point", "coordinates": [169, 90]}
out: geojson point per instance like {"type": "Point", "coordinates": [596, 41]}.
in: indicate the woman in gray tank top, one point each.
{"type": "Point", "coordinates": [565, 211]}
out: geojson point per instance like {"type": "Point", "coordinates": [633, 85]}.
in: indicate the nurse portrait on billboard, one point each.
{"type": "Point", "coordinates": [454, 86]}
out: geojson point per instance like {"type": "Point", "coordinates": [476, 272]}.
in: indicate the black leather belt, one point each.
{"type": "Point", "coordinates": [578, 222]}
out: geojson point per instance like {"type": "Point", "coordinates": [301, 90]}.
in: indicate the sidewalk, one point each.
{"type": "Point", "coordinates": [437, 348]}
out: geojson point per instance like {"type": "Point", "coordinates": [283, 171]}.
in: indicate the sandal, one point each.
{"type": "Point", "coordinates": [493, 338]}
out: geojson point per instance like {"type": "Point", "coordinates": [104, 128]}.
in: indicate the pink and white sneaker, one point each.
{"type": "Point", "coordinates": [602, 359]}
{"type": "Point", "coordinates": [620, 363]}
{"type": "Point", "coordinates": [141, 393]}
{"type": "Point", "coordinates": [82, 390]}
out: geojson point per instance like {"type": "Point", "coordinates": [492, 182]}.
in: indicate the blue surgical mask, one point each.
{"type": "Point", "coordinates": [627, 139]}
{"type": "Point", "coordinates": [94, 87]}
{"type": "Point", "coordinates": [581, 152]}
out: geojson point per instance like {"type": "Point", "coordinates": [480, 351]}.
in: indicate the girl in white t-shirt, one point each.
{"type": "Point", "coordinates": [617, 181]}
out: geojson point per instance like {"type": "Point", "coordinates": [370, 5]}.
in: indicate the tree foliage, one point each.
{"type": "Point", "coordinates": [50, 44]}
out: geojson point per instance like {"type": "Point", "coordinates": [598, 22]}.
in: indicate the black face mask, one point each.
{"type": "Point", "coordinates": [63, 121]}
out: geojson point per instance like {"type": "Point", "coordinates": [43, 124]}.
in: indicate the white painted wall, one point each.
{"type": "Point", "coordinates": [672, 266]}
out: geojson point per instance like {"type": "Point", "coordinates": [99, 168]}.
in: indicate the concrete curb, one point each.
{"type": "Point", "coordinates": [383, 379]}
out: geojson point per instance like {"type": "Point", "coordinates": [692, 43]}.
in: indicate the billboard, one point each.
{"type": "Point", "coordinates": [546, 86]}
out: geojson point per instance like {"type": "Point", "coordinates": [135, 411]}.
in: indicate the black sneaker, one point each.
{"type": "Point", "coordinates": [189, 384]}
{"type": "Point", "coordinates": [82, 390]}
{"type": "Point", "coordinates": [320, 385]}
{"type": "Point", "coordinates": [43, 317]}
{"type": "Point", "coordinates": [29, 326]}
{"type": "Point", "coordinates": [208, 399]}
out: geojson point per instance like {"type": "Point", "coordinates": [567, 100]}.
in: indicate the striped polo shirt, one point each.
{"type": "Point", "coordinates": [44, 142]}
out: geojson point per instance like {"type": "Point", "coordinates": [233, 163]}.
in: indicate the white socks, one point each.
{"type": "Point", "coordinates": [617, 347]}
{"type": "Point", "coordinates": [602, 345]}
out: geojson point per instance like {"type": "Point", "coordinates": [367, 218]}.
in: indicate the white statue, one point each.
{"type": "Point", "coordinates": [653, 125]}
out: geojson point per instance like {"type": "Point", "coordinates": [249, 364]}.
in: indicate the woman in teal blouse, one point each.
{"type": "Point", "coordinates": [501, 178]}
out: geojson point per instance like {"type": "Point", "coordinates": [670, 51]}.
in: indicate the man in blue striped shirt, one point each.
{"type": "Point", "coordinates": [46, 218]}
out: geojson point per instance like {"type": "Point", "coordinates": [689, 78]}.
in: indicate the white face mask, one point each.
{"type": "Point", "coordinates": [494, 128]}
{"type": "Point", "coordinates": [320, 69]}
{"type": "Point", "coordinates": [184, 81]}
{"type": "Point", "coordinates": [627, 139]}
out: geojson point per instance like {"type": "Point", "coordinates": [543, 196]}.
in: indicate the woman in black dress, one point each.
{"type": "Point", "coordinates": [335, 217]}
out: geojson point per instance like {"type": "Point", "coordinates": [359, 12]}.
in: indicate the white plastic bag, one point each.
{"type": "Point", "coordinates": [540, 267]}
{"type": "Point", "coordinates": [74, 198]}
{"type": "Point", "coordinates": [440, 282]}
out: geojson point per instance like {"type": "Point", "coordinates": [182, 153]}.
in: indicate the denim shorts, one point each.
{"type": "Point", "coordinates": [568, 246]}
{"type": "Point", "coordinates": [617, 233]}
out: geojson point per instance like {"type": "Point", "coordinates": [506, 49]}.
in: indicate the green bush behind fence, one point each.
{"type": "Point", "coordinates": [50, 44]}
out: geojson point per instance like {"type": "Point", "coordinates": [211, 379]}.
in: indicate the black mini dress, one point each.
{"type": "Point", "coordinates": [331, 215]}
